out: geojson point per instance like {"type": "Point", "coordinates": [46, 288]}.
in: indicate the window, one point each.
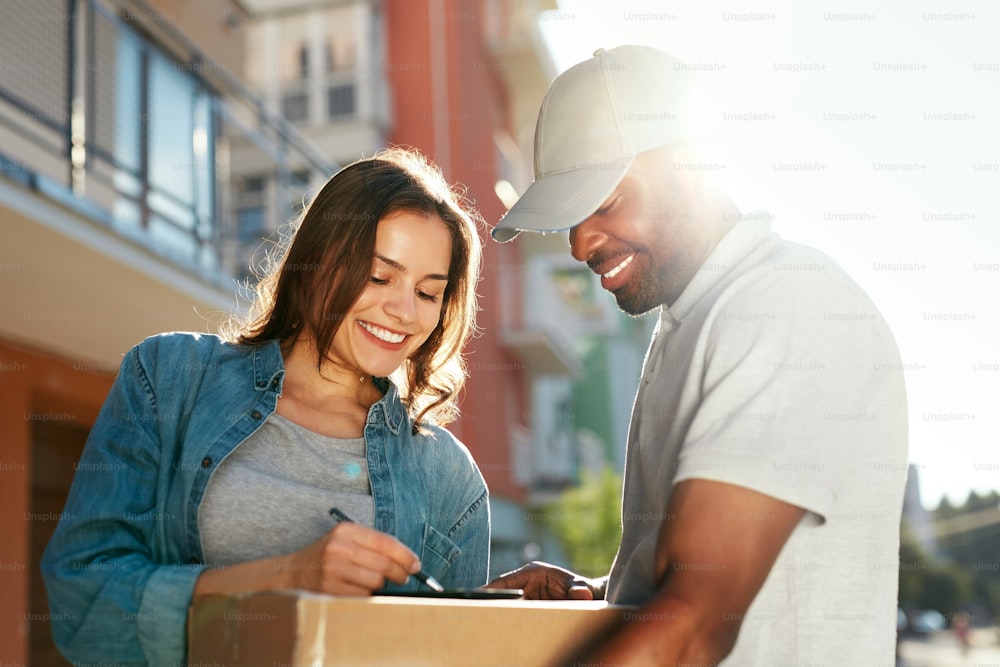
{"type": "Point", "coordinates": [298, 185]}
{"type": "Point", "coordinates": [303, 62]}
{"type": "Point", "coordinates": [160, 139]}
{"type": "Point", "coordinates": [340, 101]}
{"type": "Point", "coordinates": [343, 25]}
{"type": "Point", "coordinates": [295, 106]}
{"type": "Point", "coordinates": [250, 209]}
{"type": "Point", "coordinates": [341, 53]}
{"type": "Point", "coordinates": [294, 68]}
{"type": "Point", "coordinates": [250, 224]}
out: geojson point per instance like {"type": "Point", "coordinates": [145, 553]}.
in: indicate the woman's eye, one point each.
{"type": "Point", "coordinates": [427, 297]}
{"type": "Point", "coordinates": [379, 281]}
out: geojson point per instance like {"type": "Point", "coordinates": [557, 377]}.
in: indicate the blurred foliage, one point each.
{"type": "Point", "coordinates": [913, 564]}
{"type": "Point", "coordinates": [947, 588]}
{"type": "Point", "coordinates": [964, 573]}
{"type": "Point", "coordinates": [587, 522]}
{"type": "Point", "coordinates": [976, 551]}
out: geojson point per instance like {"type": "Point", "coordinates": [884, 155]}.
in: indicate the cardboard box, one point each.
{"type": "Point", "coordinates": [292, 628]}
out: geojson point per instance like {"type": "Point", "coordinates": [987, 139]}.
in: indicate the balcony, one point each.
{"type": "Point", "coordinates": [321, 66]}
{"type": "Point", "coordinates": [124, 158]}
{"type": "Point", "coordinates": [550, 308]}
{"type": "Point", "coordinates": [519, 56]}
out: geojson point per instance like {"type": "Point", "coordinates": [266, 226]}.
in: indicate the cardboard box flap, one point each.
{"type": "Point", "coordinates": [295, 628]}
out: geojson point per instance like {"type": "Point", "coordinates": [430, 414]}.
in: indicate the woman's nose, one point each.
{"type": "Point", "coordinates": [402, 303]}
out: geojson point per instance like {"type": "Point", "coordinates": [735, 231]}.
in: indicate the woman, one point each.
{"type": "Point", "coordinates": [215, 462]}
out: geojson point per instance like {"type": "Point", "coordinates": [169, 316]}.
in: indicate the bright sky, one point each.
{"type": "Point", "coordinates": [891, 110]}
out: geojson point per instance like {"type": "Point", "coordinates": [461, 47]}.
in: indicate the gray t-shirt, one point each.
{"type": "Point", "coordinates": [775, 372]}
{"type": "Point", "coordinates": [272, 495]}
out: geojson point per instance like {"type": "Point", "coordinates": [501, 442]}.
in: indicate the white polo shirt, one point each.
{"type": "Point", "coordinates": [774, 371]}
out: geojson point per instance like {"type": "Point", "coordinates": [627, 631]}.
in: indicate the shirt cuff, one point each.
{"type": "Point", "coordinates": [162, 618]}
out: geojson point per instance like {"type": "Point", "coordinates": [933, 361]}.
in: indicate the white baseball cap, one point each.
{"type": "Point", "coordinates": [595, 119]}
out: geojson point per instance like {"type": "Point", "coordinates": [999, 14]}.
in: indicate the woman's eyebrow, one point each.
{"type": "Point", "coordinates": [399, 267]}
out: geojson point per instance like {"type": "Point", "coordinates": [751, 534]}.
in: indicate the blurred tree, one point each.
{"type": "Point", "coordinates": [969, 538]}
{"type": "Point", "coordinates": [587, 521]}
{"type": "Point", "coordinates": [913, 566]}
{"type": "Point", "coordinates": [946, 588]}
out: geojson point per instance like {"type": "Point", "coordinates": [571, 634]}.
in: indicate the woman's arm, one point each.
{"type": "Point", "coordinates": [112, 597]}
{"type": "Point", "coordinates": [471, 534]}
{"type": "Point", "coordinates": [110, 600]}
{"type": "Point", "coordinates": [350, 559]}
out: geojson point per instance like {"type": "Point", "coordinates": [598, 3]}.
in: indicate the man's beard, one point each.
{"type": "Point", "coordinates": [637, 299]}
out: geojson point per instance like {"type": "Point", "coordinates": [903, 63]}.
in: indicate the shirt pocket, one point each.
{"type": "Point", "coordinates": [438, 552]}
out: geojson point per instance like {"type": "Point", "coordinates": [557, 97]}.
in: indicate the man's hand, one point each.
{"type": "Point", "coordinates": [543, 581]}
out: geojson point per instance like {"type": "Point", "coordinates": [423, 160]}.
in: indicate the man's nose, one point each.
{"type": "Point", "coordinates": [584, 239]}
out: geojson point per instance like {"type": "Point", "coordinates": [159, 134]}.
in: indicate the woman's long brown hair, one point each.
{"type": "Point", "coordinates": [325, 262]}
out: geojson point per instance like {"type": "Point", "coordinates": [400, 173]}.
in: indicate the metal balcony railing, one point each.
{"type": "Point", "coordinates": [158, 143]}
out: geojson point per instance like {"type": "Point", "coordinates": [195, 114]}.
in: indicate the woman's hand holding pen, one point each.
{"type": "Point", "coordinates": [351, 559]}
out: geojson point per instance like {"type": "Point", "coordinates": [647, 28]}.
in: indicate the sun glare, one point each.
{"type": "Point", "coordinates": [872, 134]}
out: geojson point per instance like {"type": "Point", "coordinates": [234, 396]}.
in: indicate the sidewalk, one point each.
{"type": "Point", "coordinates": [943, 650]}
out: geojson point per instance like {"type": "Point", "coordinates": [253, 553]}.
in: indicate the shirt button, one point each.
{"type": "Point", "coordinates": [206, 462]}
{"type": "Point", "coordinates": [256, 414]}
{"type": "Point", "coordinates": [261, 383]}
{"type": "Point", "coordinates": [274, 383]}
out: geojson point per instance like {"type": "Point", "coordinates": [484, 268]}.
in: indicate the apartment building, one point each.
{"type": "Point", "coordinates": [119, 122]}
{"type": "Point", "coordinates": [146, 148]}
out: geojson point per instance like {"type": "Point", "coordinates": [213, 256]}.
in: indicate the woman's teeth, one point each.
{"type": "Point", "coordinates": [382, 334]}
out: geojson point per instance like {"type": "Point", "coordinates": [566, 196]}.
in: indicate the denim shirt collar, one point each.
{"type": "Point", "coordinates": [269, 372]}
{"type": "Point", "coordinates": [389, 408]}
{"type": "Point", "coordinates": [268, 366]}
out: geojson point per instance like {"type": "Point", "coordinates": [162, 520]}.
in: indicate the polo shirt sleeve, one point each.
{"type": "Point", "coordinates": [791, 393]}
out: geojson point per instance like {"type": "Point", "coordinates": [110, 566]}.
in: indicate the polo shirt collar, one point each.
{"type": "Point", "coordinates": [730, 250]}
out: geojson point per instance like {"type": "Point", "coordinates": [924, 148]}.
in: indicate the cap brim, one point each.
{"type": "Point", "coordinates": [557, 202]}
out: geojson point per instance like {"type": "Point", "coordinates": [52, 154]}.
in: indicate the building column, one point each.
{"type": "Point", "coordinates": [15, 506]}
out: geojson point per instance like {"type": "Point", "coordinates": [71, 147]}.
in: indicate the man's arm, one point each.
{"type": "Point", "coordinates": [714, 552]}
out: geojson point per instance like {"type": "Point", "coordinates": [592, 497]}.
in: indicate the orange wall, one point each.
{"type": "Point", "coordinates": [474, 105]}
{"type": "Point", "coordinates": [33, 386]}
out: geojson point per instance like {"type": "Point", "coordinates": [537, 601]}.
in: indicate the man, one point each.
{"type": "Point", "coordinates": [766, 455]}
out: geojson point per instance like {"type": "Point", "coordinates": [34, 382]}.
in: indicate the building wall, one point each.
{"type": "Point", "coordinates": [214, 25]}
{"type": "Point", "coordinates": [447, 102]}
{"type": "Point", "coordinates": [39, 394]}
{"type": "Point", "coordinates": [79, 285]}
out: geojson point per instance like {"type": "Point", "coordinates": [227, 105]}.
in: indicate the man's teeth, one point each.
{"type": "Point", "coordinates": [382, 334]}
{"type": "Point", "coordinates": [618, 269]}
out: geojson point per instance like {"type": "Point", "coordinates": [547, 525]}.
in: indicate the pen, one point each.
{"type": "Point", "coordinates": [427, 579]}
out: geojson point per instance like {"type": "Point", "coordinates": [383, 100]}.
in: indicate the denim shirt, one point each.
{"type": "Point", "coordinates": [121, 567]}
